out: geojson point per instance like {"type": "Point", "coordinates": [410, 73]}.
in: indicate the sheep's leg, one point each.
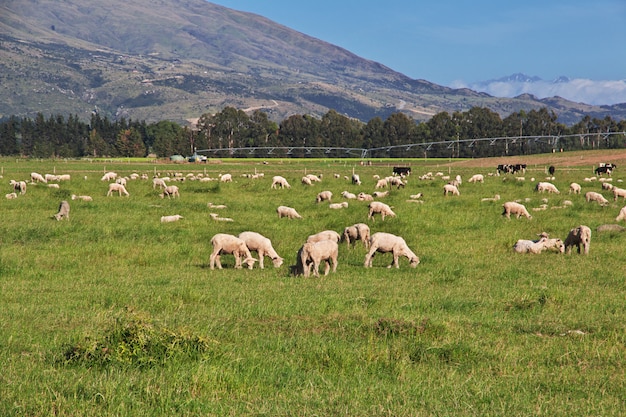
{"type": "Point", "coordinates": [261, 256]}
{"type": "Point", "coordinates": [334, 258]}
{"type": "Point", "coordinates": [369, 256]}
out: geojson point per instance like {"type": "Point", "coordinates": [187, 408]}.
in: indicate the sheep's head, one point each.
{"type": "Point", "coordinates": [249, 261]}
{"type": "Point", "coordinates": [414, 262]}
{"type": "Point", "coordinates": [278, 261]}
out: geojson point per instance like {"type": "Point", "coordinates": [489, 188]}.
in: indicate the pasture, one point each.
{"type": "Point", "coordinates": [114, 313]}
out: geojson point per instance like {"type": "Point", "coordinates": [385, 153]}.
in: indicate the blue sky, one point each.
{"type": "Point", "coordinates": [458, 43]}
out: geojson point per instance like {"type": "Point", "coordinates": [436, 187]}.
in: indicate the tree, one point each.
{"type": "Point", "coordinates": [130, 144]}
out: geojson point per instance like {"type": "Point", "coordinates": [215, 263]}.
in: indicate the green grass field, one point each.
{"type": "Point", "coordinates": [114, 314]}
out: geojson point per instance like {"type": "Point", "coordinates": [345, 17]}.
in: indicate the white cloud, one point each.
{"type": "Point", "coordinates": [597, 92]}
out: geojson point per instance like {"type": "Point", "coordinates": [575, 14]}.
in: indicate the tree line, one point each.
{"type": "Point", "coordinates": [230, 129]}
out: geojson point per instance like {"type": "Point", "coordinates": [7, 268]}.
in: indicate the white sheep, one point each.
{"type": "Point", "coordinates": [416, 196]}
{"type": "Point", "coordinates": [537, 246]}
{"type": "Point", "coordinates": [338, 206]}
{"type": "Point", "coordinates": [81, 197]}
{"type": "Point", "coordinates": [364, 197]}
{"type": "Point", "coordinates": [574, 188]}
{"type": "Point", "coordinates": [216, 206]}
{"type": "Point", "coordinates": [313, 178]}
{"type": "Point", "coordinates": [358, 231]}
{"type": "Point", "coordinates": [356, 179]}
{"type": "Point", "coordinates": [380, 194]}
{"type": "Point", "coordinates": [117, 187]}
{"type": "Point", "coordinates": [324, 235]}
{"type": "Point", "coordinates": [121, 180]}
{"type": "Point", "coordinates": [279, 181]}
{"type": "Point", "coordinates": [546, 186]}
{"type": "Point", "coordinates": [512, 207]}
{"type": "Point", "coordinates": [607, 186]}
{"type": "Point", "coordinates": [54, 186]}
{"type": "Point", "coordinates": [158, 182]}
{"type": "Point", "coordinates": [376, 207]}
{"type": "Point", "coordinates": [18, 186]}
{"type": "Point", "coordinates": [348, 195]}
{"type": "Point", "coordinates": [450, 189]}
{"type": "Point", "coordinates": [50, 177]}
{"type": "Point", "coordinates": [386, 242]}
{"type": "Point", "coordinates": [312, 255]}
{"type": "Point", "coordinates": [109, 176]}
{"type": "Point", "coordinates": [323, 196]}
{"type": "Point", "coordinates": [35, 177]}
{"type": "Point", "coordinates": [228, 244]}
{"type": "Point", "coordinates": [477, 178]}
{"type": "Point", "coordinates": [171, 218]}
{"type": "Point", "coordinates": [11, 196]}
{"type": "Point", "coordinates": [306, 181]}
{"type": "Point", "coordinates": [226, 178]}
{"type": "Point", "coordinates": [170, 191]}
{"type": "Point", "coordinates": [289, 212]}
{"type": "Point", "coordinates": [258, 243]}
{"type": "Point", "coordinates": [593, 196]}
{"type": "Point", "coordinates": [217, 218]}
{"type": "Point", "coordinates": [578, 236]}
{"type": "Point", "coordinates": [622, 214]}
{"type": "Point", "coordinates": [494, 198]}
{"type": "Point", "coordinates": [618, 192]}
{"type": "Point", "coordinates": [64, 211]}
{"type": "Point", "coordinates": [382, 183]}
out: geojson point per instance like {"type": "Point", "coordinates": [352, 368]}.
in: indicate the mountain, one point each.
{"type": "Point", "coordinates": [178, 59]}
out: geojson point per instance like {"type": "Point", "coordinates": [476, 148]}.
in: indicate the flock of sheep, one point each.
{"type": "Point", "coordinates": [323, 247]}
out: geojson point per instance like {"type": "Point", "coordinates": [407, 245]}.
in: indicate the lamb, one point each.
{"type": "Point", "coordinates": [289, 212]}
{"type": "Point", "coordinates": [356, 179]}
{"type": "Point", "coordinates": [593, 196]}
{"type": "Point", "coordinates": [477, 178]}
{"type": "Point", "coordinates": [35, 177]}
{"type": "Point", "coordinates": [324, 235]}
{"type": "Point", "coordinates": [546, 186]}
{"type": "Point", "coordinates": [578, 236]}
{"type": "Point", "coordinates": [216, 217]}
{"type": "Point", "coordinates": [450, 189]}
{"type": "Point", "coordinates": [64, 177]}
{"type": "Point", "coordinates": [324, 196]}
{"type": "Point", "coordinates": [11, 196]}
{"type": "Point", "coordinates": [574, 188]}
{"type": "Point", "coordinates": [618, 192]}
{"type": "Point", "coordinates": [312, 255]}
{"type": "Point", "coordinates": [512, 207]}
{"type": "Point", "coordinates": [158, 182]}
{"type": "Point", "coordinates": [337, 206]}
{"type": "Point", "coordinates": [416, 196]}
{"type": "Point", "coordinates": [109, 176]}
{"type": "Point", "coordinates": [607, 186]}
{"type": "Point", "coordinates": [494, 198]}
{"type": "Point", "coordinates": [262, 246]}
{"type": "Point", "coordinates": [348, 195]}
{"type": "Point", "coordinates": [18, 186]}
{"type": "Point", "coordinates": [215, 206]}
{"type": "Point", "coordinates": [54, 186]}
{"type": "Point", "coordinates": [358, 231]}
{"type": "Point", "coordinates": [64, 211]}
{"type": "Point", "coordinates": [381, 208]}
{"type": "Point", "coordinates": [117, 187]}
{"type": "Point", "coordinates": [396, 181]}
{"type": "Point", "coordinates": [228, 244]}
{"type": "Point", "coordinates": [81, 197]}
{"type": "Point", "coordinates": [364, 197]}
{"type": "Point", "coordinates": [226, 178]}
{"type": "Point", "coordinates": [50, 177]}
{"type": "Point", "coordinates": [380, 194]}
{"type": "Point", "coordinates": [537, 246]}
{"type": "Point", "coordinates": [172, 218]}
{"type": "Point", "coordinates": [170, 191]}
{"type": "Point", "coordinates": [387, 242]}
{"type": "Point", "coordinates": [622, 214]}
{"type": "Point", "coordinates": [306, 181]}
{"type": "Point", "coordinates": [313, 178]}
{"type": "Point", "coordinates": [279, 181]}
{"type": "Point", "coordinates": [121, 180]}
{"type": "Point", "coordinates": [382, 183]}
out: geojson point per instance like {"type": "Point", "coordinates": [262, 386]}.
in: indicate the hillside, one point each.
{"type": "Point", "coordinates": [156, 59]}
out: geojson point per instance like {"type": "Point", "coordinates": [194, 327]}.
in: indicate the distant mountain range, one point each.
{"type": "Point", "coordinates": [178, 59]}
{"type": "Point", "coordinates": [581, 90]}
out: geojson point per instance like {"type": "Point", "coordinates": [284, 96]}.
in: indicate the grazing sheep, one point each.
{"type": "Point", "coordinates": [121, 180]}
{"type": "Point", "coordinates": [380, 208]}
{"type": "Point", "coordinates": [279, 181]}
{"type": "Point", "coordinates": [385, 243]}
{"type": "Point", "coordinates": [618, 192]}
{"type": "Point", "coordinates": [306, 181]}
{"type": "Point", "coordinates": [323, 196]}
{"type": "Point", "coordinates": [313, 178]}
{"type": "Point", "coordinates": [312, 255]}
{"type": "Point", "coordinates": [578, 236]}
{"type": "Point", "coordinates": [364, 197]}
{"type": "Point", "coordinates": [18, 186]}
{"type": "Point", "coordinates": [477, 178]}
{"type": "Point", "coordinates": [109, 176]}
{"type": "Point", "coordinates": [512, 207]}
{"type": "Point", "coordinates": [546, 186]}
{"type": "Point", "coordinates": [574, 188]}
{"type": "Point", "coordinates": [356, 179]}
{"type": "Point", "coordinates": [262, 246]}
{"type": "Point", "coordinates": [607, 186]}
{"type": "Point", "coordinates": [158, 182]}
{"type": "Point", "coordinates": [172, 218]}
{"type": "Point", "coordinates": [450, 189]}
{"type": "Point", "coordinates": [226, 178]}
{"type": "Point", "coordinates": [337, 206]}
{"type": "Point", "coordinates": [289, 212]}
{"type": "Point", "coordinates": [382, 183]}
{"type": "Point", "coordinates": [11, 196]}
{"type": "Point", "coordinates": [170, 191]}
{"type": "Point", "coordinates": [35, 177]}
{"type": "Point", "coordinates": [216, 217]}
{"type": "Point", "coordinates": [622, 214]}
{"type": "Point", "coordinates": [348, 195]}
{"type": "Point", "coordinates": [380, 194]}
{"type": "Point", "coordinates": [50, 177]}
{"type": "Point", "coordinates": [324, 235]}
{"type": "Point", "coordinates": [593, 196]}
{"type": "Point", "coordinates": [358, 231]}
{"type": "Point", "coordinates": [117, 187]}
{"type": "Point", "coordinates": [81, 197]}
{"type": "Point", "coordinates": [396, 181]}
{"type": "Point", "coordinates": [228, 244]}
{"type": "Point", "coordinates": [64, 211]}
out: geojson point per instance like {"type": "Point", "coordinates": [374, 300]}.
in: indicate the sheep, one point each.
{"type": "Point", "coordinates": [215, 206]}
{"type": "Point", "coordinates": [607, 186]}
{"type": "Point", "coordinates": [450, 189]}
{"type": "Point", "coordinates": [262, 246]}
{"type": "Point", "coordinates": [313, 178]}
{"type": "Point", "coordinates": [121, 180]}
{"type": "Point", "coordinates": [622, 214]}
{"type": "Point", "coordinates": [574, 188]}
{"type": "Point", "coordinates": [170, 191]}
{"type": "Point", "coordinates": [18, 186]}
{"type": "Point", "coordinates": [380, 194]}
{"type": "Point", "coordinates": [323, 196]}
{"type": "Point", "coordinates": [477, 178]}
{"type": "Point", "coordinates": [226, 178]}
{"type": "Point", "coordinates": [381, 208]}
{"type": "Point", "coordinates": [610, 228]}
{"type": "Point", "coordinates": [396, 181]}
{"type": "Point", "coordinates": [306, 181]}
{"type": "Point", "coordinates": [618, 192]}
{"type": "Point", "coordinates": [109, 176]}
{"type": "Point", "coordinates": [494, 198]}
{"type": "Point", "coordinates": [158, 182]}
{"type": "Point", "coordinates": [356, 179]}
{"type": "Point", "coordinates": [416, 196]}
{"type": "Point", "coordinates": [81, 197]}
{"type": "Point", "coordinates": [117, 187]}
{"type": "Point", "coordinates": [50, 177]}
{"type": "Point", "coordinates": [593, 196]}
{"type": "Point", "coordinates": [512, 207]}
{"type": "Point", "coordinates": [172, 218]}
{"type": "Point", "coordinates": [546, 186]}
{"type": "Point", "coordinates": [54, 186]}
{"type": "Point", "coordinates": [348, 195]}
{"type": "Point", "coordinates": [537, 246]}
{"type": "Point", "coordinates": [364, 197]}
{"type": "Point", "coordinates": [312, 255]}
{"type": "Point", "coordinates": [382, 183]}
{"type": "Point", "coordinates": [35, 177]}
{"type": "Point", "coordinates": [338, 206]}
{"type": "Point", "coordinates": [279, 181]}
{"type": "Point", "coordinates": [387, 242]}
{"type": "Point", "coordinates": [11, 196]}
{"type": "Point", "coordinates": [216, 217]}
{"type": "Point", "coordinates": [64, 211]}
{"type": "Point", "coordinates": [228, 244]}
{"type": "Point", "coordinates": [289, 212]}
{"type": "Point", "coordinates": [578, 236]}
{"type": "Point", "coordinates": [324, 235]}
{"type": "Point", "coordinates": [358, 231]}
